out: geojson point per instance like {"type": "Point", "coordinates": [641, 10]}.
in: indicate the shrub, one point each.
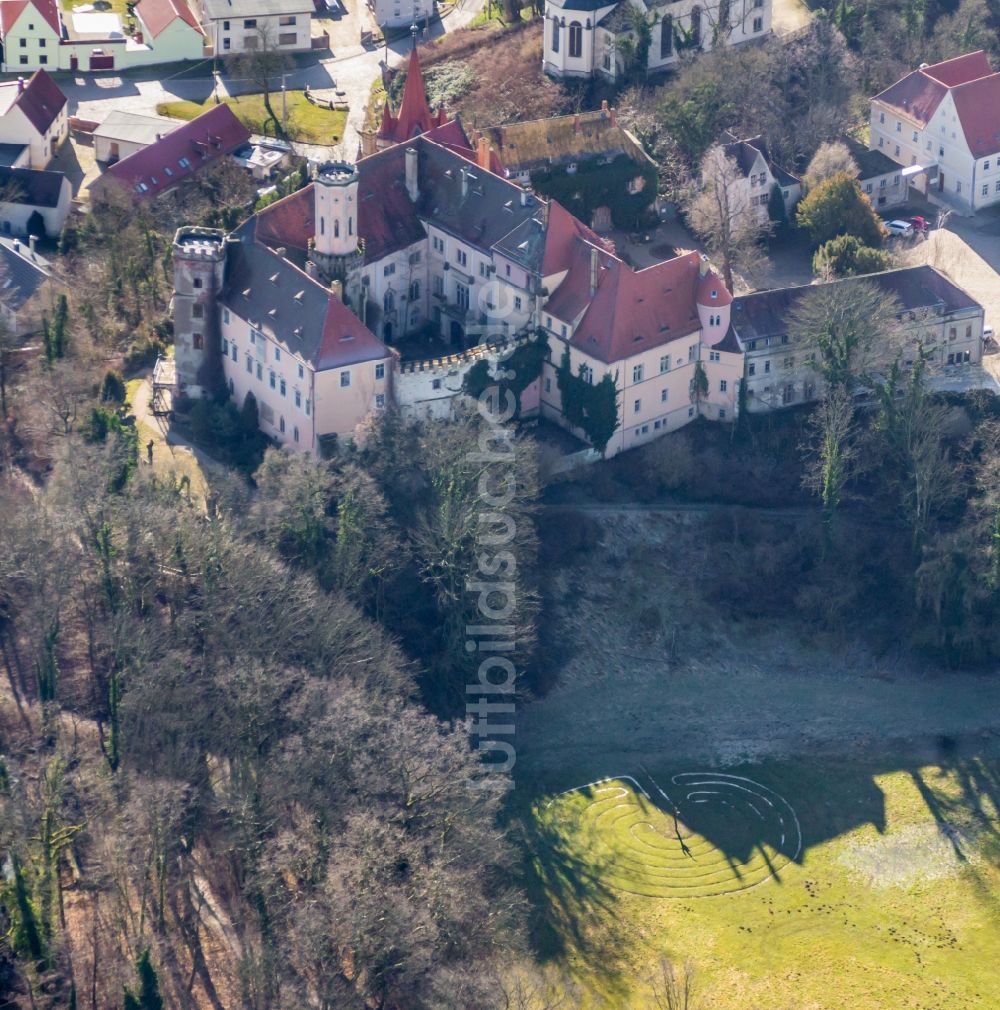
{"type": "Point", "coordinates": [113, 388]}
{"type": "Point", "coordinates": [838, 207]}
{"type": "Point", "coordinates": [848, 256]}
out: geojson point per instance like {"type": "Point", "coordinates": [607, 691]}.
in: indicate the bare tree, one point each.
{"type": "Point", "coordinates": [851, 327]}
{"type": "Point", "coordinates": [829, 160]}
{"type": "Point", "coordinates": [262, 64]}
{"type": "Point", "coordinates": [673, 988]}
{"type": "Point", "coordinates": [721, 214]}
{"type": "Point", "coordinates": [832, 450]}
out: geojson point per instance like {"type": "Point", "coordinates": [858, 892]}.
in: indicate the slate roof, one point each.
{"type": "Point", "coordinates": [745, 153]}
{"type": "Point", "coordinates": [581, 5]}
{"type": "Point", "coordinates": [870, 163]}
{"type": "Point", "coordinates": [917, 95]}
{"type": "Point", "coordinates": [22, 274]}
{"type": "Point", "coordinates": [30, 187]}
{"type": "Point", "coordinates": [765, 313]}
{"type": "Point", "coordinates": [288, 305]}
{"type": "Point", "coordinates": [9, 153]}
{"type": "Point", "coordinates": [41, 100]}
{"type": "Point", "coordinates": [158, 15]}
{"type": "Point", "coordinates": [181, 153]}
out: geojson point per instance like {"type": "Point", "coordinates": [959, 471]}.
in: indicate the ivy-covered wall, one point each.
{"type": "Point", "coordinates": [595, 184]}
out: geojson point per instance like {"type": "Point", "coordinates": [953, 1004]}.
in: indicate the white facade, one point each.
{"type": "Point", "coordinates": [969, 182]}
{"type": "Point", "coordinates": [583, 37]}
{"type": "Point", "coordinates": [400, 13]}
{"type": "Point", "coordinates": [14, 216]}
{"type": "Point", "coordinates": [17, 128]}
{"type": "Point", "coordinates": [232, 33]}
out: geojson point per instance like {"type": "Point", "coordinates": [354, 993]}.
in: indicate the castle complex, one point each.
{"type": "Point", "coordinates": [305, 305]}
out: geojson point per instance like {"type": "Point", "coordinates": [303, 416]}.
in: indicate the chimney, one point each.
{"type": "Point", "coordinates": [20, 85]}
{"type": "Point", "coordinates": [17, 245]}
{"type": "Point", "coordinates": [703, 266]}
{"type": "Point", "coordinates": [483, 154]}
{"type": "Point", "coordinates": [412, 184]}
{"type": "Point", "coordinates": [576, 123]}
{"type": "Point", "coordinates": [604, 105]}
{"type": "Point", "coordinates": [465, 182]}
{"type": "Point", "coordinates": [545, 213]}
{"type": "Point", "coordinates": [32, 239]}
{"type": "Point", "coordinates": [525, 193]}
{"type": "Point", "coordinates": [593, 271]}
{"type": "Point", "coordinates": [613, 116]}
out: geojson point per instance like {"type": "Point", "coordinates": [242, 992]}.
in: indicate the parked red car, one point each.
{"type": "Point", "coordinates": [920, 224]}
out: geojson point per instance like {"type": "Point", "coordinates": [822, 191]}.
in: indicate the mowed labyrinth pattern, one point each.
{"type": "Point", "coordinates": [700, 834]}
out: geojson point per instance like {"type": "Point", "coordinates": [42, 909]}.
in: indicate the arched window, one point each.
{"type": "Point", "coordinates": [322, 226]}
{"type": "Point", "coordinates": [555, 35]}
{"type": "Point", "coordinates": [414, 291]}
{"type": "Point", "coordinates": [696, 27]}
{"type": "Point", "coordinates": [281, 425]}
{"type": "Point", "coordinates": [389, 301]}
{"type": "Point", "coordinates": [336, 229]}
{"type": "Point", "coordinates": [666, 36]}
{"type": "Point", "coordinates": [575, 38]}
{"type": "Point", "coordinates": [350, 226]}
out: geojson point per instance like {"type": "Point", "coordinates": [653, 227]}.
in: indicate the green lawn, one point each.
{"type": "Point", "coordinates": [306, 122]}
{"type": "Point", "coordinates": [792, 886]}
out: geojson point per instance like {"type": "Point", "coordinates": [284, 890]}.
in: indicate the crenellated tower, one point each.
{"type": "Point", "coordinates": [199, 258]}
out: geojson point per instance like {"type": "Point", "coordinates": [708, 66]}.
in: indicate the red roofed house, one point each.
{"type": "Point", "coordinates": [413, 118]}
{"type": "Point", "coordinates": [33, 115]}
{"type": "Point", "coordinates": [301, 305]}
{"type": "Point", "coordinates": [945, 120]}
{"type": "Point", "coordinates": [171, 29]}
{"type": "Point", "coordinates": [177, 155]}
{"type": "Point", "coordinates": [30, 34]}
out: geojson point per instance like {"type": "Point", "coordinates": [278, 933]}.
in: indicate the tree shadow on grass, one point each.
{"type": "Point", "coordinates": [575, 915]}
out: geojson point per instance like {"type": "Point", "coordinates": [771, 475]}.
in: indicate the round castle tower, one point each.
{"type": "Point", "coordinates": [336, 243]}
{"type": "Point", "coordinates": [199, 256]}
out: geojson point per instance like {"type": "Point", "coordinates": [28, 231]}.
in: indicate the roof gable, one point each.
{"type": "Point", "coordinates": [180, 153]}
{"type": "Point", "coordinates": [39, 98]}
{"type": "Point", "coordinates": [47, 10]}
{"type": "Point", "coordinates": [158, 15]}
{"type": "Point", "coordinates": [415, 116]}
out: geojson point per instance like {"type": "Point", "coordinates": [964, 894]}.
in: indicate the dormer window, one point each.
{"type": "Point", "coordinates": [715, 294]}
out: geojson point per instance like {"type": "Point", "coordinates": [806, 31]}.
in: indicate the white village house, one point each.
{"type": "Point", "coordinates": [584, 38]}
{"type": "Point", "coordinates": [941, 123]}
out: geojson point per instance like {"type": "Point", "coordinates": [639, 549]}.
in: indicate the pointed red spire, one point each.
{"type": "Point", "coordinates": [387, 129]}
{"type": "Point", "coordinates": [414, 112]}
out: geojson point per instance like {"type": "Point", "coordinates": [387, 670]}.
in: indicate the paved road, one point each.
{"type": "Point", "coordinates": [351, 69]}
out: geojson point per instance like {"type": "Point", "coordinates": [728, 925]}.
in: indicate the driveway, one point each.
{"type": "Point", "coordinates": [350, 69]}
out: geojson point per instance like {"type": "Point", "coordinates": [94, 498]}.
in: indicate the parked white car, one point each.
{"type": "Point", "coordinates": [904, 229]}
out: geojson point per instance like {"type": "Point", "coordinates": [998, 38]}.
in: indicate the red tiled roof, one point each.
{"type": "Point", "coordinates": [415, 116]}
{"type": "Point", "coordinates": [960, 70]}
{"type": "Point", "coordinates": [11, 10]}
{"type": "Point", "coordinates": [290, 221]}
{"type": "Point", "coordinates": [978, 106]}
{"type": "Point", "coordinates": [180, 153]}
{"type": "Point", "coordinates": [631, 311]}
{"type": "Point", "coordinates": [709, 284]}
{"type": "Point", "coordinates": [158, 15]}
{"type": "Point", "coordinates": [919, 93]}
{"type": "Point", "coordinates": [561, 237]}
{"type": "Point", "coordinates": [346, 340]}
{"type": "Point", "coordinates": [41, 101]}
